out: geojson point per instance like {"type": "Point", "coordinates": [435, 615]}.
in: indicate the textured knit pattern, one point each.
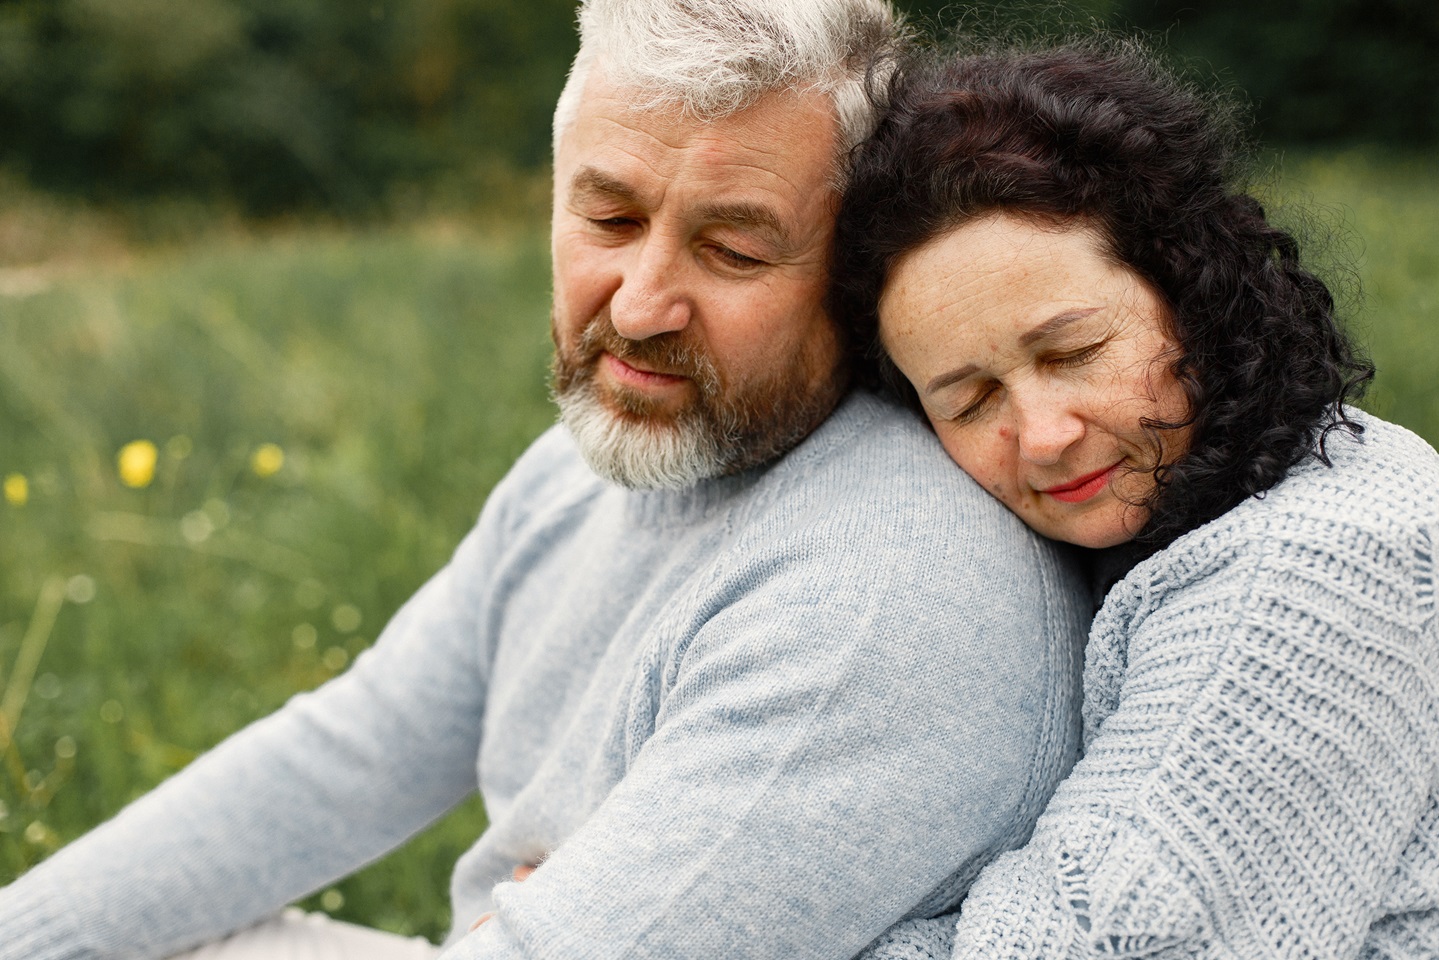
{"type": "Point", "coordinates": [765, 717]}
{"type": "Point", "coordinates": [922, 938]}
{"type": "Point", "coordinates": [1261, 716]}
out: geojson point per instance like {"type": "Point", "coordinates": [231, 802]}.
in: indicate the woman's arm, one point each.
{"type": "Point", "coordinates": [1274, 741]}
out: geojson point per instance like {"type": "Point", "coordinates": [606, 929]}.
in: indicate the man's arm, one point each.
{"type": "Point", "coordinates": [827, 752]}
{"type": "Point", "coordinates": [331, 781]}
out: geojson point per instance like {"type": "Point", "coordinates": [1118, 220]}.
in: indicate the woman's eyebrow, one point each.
{"type": "Point", "coordinates": [1025, 339]}
{"type": "Point", "coordinates": [953, 376]}
{"type": "Point", "coordinates": [1054, 323]}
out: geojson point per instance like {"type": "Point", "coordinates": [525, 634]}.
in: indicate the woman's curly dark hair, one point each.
{"type": "Point", "coordinates": [1100, 134]}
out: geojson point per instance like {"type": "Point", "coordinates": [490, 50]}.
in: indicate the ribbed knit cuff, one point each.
{"type": "Point", "coordinates": [35, 925]}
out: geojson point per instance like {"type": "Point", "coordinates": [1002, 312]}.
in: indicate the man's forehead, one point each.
{"type": "Point", "coordinates": [752, 167]}
{"type": "Point", "coordinates": [781, 122]}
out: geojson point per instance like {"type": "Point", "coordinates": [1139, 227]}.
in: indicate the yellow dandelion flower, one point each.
{"type": "Point", "coordinates": [267, 460]}
{"type": "Point", "coordinates": [17, 490]}
{"type": "Point", "coordinates": [136, 463]}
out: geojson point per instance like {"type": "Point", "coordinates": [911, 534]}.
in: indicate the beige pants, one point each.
{"type": "Point", "coordinates": [295, 935]}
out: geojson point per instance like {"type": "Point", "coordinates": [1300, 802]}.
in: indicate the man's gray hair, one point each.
{"type": "Point", "coordinates": [713, 58]}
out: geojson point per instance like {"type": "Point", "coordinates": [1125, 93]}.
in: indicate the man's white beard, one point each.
{"type": "Point", "coordinates": [628, 439]}
{"type": "Point", "coordinates": [669, 456]}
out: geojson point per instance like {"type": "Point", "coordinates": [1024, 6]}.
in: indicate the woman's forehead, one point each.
{"type": "Point", "coordinates": [1002, 270]}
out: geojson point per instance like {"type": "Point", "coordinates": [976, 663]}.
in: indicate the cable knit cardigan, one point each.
{"type": "Point", "coordinates": [1261, 731]}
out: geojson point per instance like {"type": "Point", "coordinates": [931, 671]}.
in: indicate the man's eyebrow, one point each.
{"type": "Point", "coordinates": [1052, 324]}
{"type": "Point", "coordinates": [589, 181]}
{"type": "Point", "coordinates": [747, 216]}
{"type": "Point", "coordinates": [755, 217]}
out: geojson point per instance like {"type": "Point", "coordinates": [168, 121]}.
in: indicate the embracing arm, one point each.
{"type": "Point", "coordinates": [334, 779]}
{"type": "Point", "coordinates": [1271, 748]}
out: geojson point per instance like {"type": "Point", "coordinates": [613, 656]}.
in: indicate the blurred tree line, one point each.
{"type": "Point", "coordinates": [277, 105]}
{"type": "Point", "coordinates": [1318, 71]}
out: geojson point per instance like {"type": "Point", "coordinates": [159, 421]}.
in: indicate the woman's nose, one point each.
{"type": "Point", "coordinates": [650, 299]}
{"type": "Point", "coordinates": [1046, 428]}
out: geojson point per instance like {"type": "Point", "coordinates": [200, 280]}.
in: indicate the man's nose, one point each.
{"type": "Point", "coordinates": [651, 298]}
{"type": "Point", "coordinates": [1046, 426]}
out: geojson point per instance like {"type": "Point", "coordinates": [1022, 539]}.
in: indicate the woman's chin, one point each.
{"type": "Point", "coordinates": [1105, 524]}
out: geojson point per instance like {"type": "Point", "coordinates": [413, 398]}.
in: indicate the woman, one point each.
{"type": "Point", "coordinates": [1053, 253]}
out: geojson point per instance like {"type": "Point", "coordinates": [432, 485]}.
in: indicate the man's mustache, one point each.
{"type": "Point", "coordinates": [670, 353]}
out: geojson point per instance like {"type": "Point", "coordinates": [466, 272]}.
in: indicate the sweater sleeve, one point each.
{"type": "Point", "coordinates": [333, 780]}
{"type": "Point", "coordinates": [1404, 936]}
{"type": "Point", "coordinates": [1270, 751]}
{"type": "Point", "coordinates": [830, 745]}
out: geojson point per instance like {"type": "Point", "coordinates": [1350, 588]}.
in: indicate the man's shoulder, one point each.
{"type": "Point", "coordinates": [870, 455]}
{"type": "Point", "coordinates": [874, 459]}
{"type": "Point", "coordinates": [871, 478]}
{"type": "Point", "coordinates": [871, 505]}
{"type": "Point", "coordinates": [866, 425]}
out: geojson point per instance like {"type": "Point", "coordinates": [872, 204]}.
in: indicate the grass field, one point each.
{"type": "Point", "coordinates": [325, 413]}
{"type": "Point", "coordinates": [227, 462]}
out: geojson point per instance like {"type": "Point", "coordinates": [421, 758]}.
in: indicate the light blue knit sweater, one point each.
{"type": "Point", "coordinates": [766, 717]}
{"type": "Point", "coordinates": [1261, 726]}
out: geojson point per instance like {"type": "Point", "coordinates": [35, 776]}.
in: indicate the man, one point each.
{"type": "Point", "coordinates": [740, 680]}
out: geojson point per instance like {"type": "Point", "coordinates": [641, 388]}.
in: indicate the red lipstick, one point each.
{"type": "Point", "coordinates": [1083, 488]}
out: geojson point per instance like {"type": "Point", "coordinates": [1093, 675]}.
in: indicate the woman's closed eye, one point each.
{"type": "Point", "coordinates": [976, 407]}
{"type": "Point", "coordinates": [1076, 358]}
{"type": "Point", "coordinates": [733, 258]}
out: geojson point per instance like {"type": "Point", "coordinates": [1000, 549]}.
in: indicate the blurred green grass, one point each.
{"type": "Point", "coordinates": [1387, 209]}
{"type": "Point", "coordinates": [399, 371]}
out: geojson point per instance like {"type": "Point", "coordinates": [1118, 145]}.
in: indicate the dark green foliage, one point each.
{"type": "Point", "coordinates": [282, 105]}
{"type": "Point", "coordinates": [345, 105]}
{"type": "Point", "coordinates": [277, 104]}
{"type": "Point", "coordinates": [1318, 71]}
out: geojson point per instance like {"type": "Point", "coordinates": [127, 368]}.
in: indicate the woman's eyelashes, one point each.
{"type": "Point", "coordinates": [1078, 357]}
{"type": "Point", "coordinates": [988, 393]}
{"type": "Point", "coordinates": [734, 258]}
{"type": "Point", "coordinates": [975, 407]}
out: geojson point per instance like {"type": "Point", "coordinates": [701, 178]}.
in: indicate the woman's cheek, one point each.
{"type": "Point", "coordinates": [983, 456]}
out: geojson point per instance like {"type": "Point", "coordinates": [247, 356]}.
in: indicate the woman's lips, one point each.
{"type": "Point", "coordinates": [1085, 487]}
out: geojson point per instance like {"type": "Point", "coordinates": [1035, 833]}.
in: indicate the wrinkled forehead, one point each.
{"type": "Point", "coordinates": [780, 148]}
{"type": "Point", "coordinates": [647, 99]}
